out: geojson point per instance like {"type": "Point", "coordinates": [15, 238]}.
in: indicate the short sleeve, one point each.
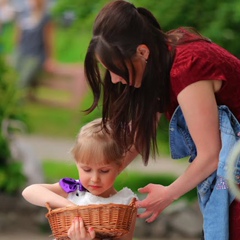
{"type": "Point", "coordinates": [195, 62]}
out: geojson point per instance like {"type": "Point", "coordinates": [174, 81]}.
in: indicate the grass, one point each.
{"type": "Point", "coordinates": [60, 122]}
{"type": "Point", "coordinates": [52, 121]}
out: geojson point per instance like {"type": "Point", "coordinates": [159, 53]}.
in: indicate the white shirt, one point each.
{"type": "Point", "coordinates": [82, 198]}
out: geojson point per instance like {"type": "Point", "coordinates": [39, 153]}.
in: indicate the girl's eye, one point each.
{"type": "Point", "coordinates": [104, 171]}
{"type": "Point", "coordinates": [86, 169]}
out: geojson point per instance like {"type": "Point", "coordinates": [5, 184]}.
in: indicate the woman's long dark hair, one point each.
{"type": "Point", "coordinates": [118, 30]}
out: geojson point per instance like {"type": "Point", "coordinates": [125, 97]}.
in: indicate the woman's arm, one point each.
{"type": "Point", "coordinates": [40, 194]}
{"type": "Point", "coordinates": [133, 153]}
{"type": "Point", "coordinates": [201, 115]}
{"type": "Point", "coordinates": [130, 156]}
{"type": "Point", "coordinates": [200, 110]}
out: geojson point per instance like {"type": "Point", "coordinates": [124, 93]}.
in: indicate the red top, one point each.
{"type": "Point", "coordinates": [203, 60]}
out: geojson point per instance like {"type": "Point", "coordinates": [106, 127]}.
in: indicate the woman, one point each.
{"type": "Point", "coordinates": [149, 73]}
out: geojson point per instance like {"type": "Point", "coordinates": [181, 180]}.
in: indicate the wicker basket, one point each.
{"type": "Point", "coordinates": [108, 220]}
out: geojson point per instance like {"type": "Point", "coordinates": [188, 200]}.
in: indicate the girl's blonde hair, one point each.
{"type": "Point", "coordinates": [95, 145]}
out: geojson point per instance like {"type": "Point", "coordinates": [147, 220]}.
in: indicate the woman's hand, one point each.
{"type": "Point", "coordinates": [77, 231]}
{"type": "Point", "coordinates": [157, 200]}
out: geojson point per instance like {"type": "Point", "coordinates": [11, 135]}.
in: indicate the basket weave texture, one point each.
{"type": "Point", "coordinates": [108, 220]}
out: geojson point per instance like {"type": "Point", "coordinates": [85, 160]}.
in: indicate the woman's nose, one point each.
{"type": "Point", "coordinates": [115, 78]}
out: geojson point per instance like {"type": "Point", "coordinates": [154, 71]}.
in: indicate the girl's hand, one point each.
{"type": "Point", "coordinates": [77, 231]}
{"type": "Point", "coordinates": [157, 200]}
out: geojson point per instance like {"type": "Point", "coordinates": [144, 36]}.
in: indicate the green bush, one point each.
{"type": "Point", "coordinates": [11, 177]}
{"type": "Point", "coordinates": [218, 20]}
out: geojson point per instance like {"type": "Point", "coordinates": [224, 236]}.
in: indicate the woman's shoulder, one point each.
{"type": "Point", "coordinates": [186, 53]}
{"type": "Point", "coordinates": [202, 60]}
{"type": "Point", "coordinates": [204, 51]}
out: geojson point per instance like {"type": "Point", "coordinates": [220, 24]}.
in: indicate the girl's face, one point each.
{"type": "Point", "coordinates": [98, 179]}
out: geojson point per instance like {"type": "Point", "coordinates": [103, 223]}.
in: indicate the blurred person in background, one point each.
{"type": "Point", "coordinates": [34, 43]}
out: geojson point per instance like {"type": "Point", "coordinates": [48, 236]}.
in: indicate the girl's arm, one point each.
{"type": "Point", "coordinates": [40, 194]}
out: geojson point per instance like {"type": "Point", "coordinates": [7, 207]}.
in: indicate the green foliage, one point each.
{"type": "Point", "coordinates": [7, 38]}
{"type": "Point", "coordinates": [71, 44]}
{"type": "Point", "coordinates": [6, 93]}
{"type": "Point", "coordinates": [83, 10]}
{"type": "Point", "coordinates": [11, 178]}
{"type": "Point", "coordinates": [5, 152]}
{"type": "Point", "coordinates": [10, 104]}
{"type": "Point", "coordinates": [218, 20]}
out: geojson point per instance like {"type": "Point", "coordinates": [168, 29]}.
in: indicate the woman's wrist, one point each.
{"type": "Point", "coordinates": [173, 193]}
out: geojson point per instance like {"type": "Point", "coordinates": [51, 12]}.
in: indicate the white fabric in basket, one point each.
{"type": "Point", "coordinates": [124, 196]}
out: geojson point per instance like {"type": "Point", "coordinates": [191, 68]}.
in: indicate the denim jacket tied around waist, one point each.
{"type": "Point", "coordinates": [213, 194]}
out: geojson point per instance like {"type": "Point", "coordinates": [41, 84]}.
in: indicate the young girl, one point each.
{"type": "Point", "coordinates": [99, 161]}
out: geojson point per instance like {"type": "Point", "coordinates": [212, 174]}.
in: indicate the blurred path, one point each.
{"type": "Point", "coordinates": [48, 148]}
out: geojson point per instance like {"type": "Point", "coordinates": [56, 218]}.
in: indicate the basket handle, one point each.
{"type": "Point", "coordinates": [132, 203]}
{"type": "Point", "coordinates": [48, 207]}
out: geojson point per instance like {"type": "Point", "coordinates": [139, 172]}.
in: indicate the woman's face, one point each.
{"type": "Point", "coordinates": [139, 62]}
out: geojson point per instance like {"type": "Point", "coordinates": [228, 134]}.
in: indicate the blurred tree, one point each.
{"type": "Point", "coordinates": [218, 20]}
{"type": "Point", "coordinates": [11, 177]}
{"type": "Point", "coordinates": [78, 12]}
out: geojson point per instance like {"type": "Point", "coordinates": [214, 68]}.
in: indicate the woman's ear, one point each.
{"type": "Point", "coordinates": [143, 51]}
